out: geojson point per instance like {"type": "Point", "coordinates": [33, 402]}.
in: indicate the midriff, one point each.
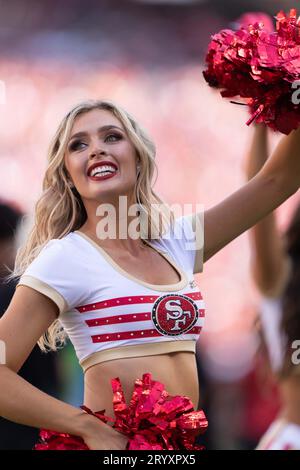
{"type": "Point", "coordinates": [176, 370]}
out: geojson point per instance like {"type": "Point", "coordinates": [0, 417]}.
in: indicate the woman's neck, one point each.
{"type": "Point", "coordinates": [126, 245]}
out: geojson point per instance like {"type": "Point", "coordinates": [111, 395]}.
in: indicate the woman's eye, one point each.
{"type": "Point", "coordinates": [116, 136]}
{"type": "Point", "coordinates": [76, 145]}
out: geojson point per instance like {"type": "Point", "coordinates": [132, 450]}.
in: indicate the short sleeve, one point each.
{"type": "Point", "coordinates": [54, 273]}
{"type": "Point", "coordinates": [185, 241]}
{"type": "Point", "coordinates": [191, 230]}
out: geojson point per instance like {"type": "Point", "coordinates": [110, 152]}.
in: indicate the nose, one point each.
{"type": "Point", "coordinates": [97, 151]}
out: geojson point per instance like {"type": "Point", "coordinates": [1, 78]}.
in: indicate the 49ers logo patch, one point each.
{"type": "Point", "coordinates": [174, 314]}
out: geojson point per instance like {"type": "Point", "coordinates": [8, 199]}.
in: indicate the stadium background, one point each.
{"type": "Point", "coordinates": [148, 56]}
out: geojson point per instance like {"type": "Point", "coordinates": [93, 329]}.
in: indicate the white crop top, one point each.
{"type": "Point", "coordinates": [271, 314]}
{"type": "Point", "coordinates": [108, 313]}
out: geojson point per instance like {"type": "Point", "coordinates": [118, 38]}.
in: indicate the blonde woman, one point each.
{"type": "Point", "coordinates": [129, 305]}
{"type": "Point", "coordinates": [276, 268]}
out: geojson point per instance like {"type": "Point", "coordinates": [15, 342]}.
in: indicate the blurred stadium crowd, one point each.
{"type": "Point", "coordinates": [148, 56]}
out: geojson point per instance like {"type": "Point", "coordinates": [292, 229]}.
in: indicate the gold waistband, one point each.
{"type": "Point", "coordinates": [138, 350]}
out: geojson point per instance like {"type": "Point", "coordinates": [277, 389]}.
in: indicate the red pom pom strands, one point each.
{"type": "Point", "coordinates": [256, 17]}
{"type": "Point", "coordinates": [262, 67]}
{"type": "Point", "coordinates": [153, 420]}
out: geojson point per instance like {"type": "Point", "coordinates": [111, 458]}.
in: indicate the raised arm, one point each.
{"type": "Point", "coordinates": [278, 179]}
{"type": "Point", "coordinates": [269, 263]}
{"type": "Point", "coordinates": [28, 316]}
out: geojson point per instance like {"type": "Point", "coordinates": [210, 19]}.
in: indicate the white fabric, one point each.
{"type": "Point", "coordinates": [74, 270]}
{"type": "Point", "coordinates": [271, 317]}
{"type": "Point", "coordinates": [281, 435]}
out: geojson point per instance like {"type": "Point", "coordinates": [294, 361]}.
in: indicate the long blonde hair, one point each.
{"type": "Point", "coordinates": [60, 209]}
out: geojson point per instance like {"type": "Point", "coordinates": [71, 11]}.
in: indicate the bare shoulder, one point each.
{"type": "Point", "coordinates": [27, 317]}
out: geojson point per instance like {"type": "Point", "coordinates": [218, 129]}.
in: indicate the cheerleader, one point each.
{"type": "Point", "coordinates": [275, 268]}
{"type": "Point", "coordinates": [129, 304]}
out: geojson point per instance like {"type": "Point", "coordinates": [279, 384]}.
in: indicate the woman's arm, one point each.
{"type": "Point", "coordinates": [28, 316]}
{"type": "Point", "coordinates": [258, 151]}
{"type": "Point", "coordinates": [278, 179]}
{"type": "Point", "coordinates": [269, 263]}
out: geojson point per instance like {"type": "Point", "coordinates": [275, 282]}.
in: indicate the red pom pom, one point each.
{"type": "Point", "coordinates": [153, 420]}
{"type": "Point", "coordinates": [252, 18]}
{"type": "Point", "coordinates": [262, 67]}
{"type": "Point", "coordinates": [51, 440]}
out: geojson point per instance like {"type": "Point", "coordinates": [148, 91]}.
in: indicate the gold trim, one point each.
{"type": "Point", "coordinates": [158, 287]}
{"type": "Point", "coordinates": [43, 288]}
{"type": "Point", "coordinates": [138, 350]}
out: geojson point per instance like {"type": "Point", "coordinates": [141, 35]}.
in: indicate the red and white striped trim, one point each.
{"type": "Point", "coordinates": [141, 322]}
{"type": "Point", "coordinates": [131, 300]}
{"type": "Point", "coordinates": [126, 318]}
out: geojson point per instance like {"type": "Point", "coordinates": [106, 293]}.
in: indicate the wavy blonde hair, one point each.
{"type": "Point", "coordinates": [60, 209]}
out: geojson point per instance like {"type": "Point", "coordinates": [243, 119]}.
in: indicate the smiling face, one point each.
{"type": "Point", "coordinates": [100, 159]}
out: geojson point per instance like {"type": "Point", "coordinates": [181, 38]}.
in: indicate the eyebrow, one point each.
{"type": "Point", "coordinates": [100, 129]}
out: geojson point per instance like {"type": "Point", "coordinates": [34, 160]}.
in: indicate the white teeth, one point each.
{"type": "Point", "coordinates": [103, 173]}
{"type": "Point", "coordinates": [103, 170]}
